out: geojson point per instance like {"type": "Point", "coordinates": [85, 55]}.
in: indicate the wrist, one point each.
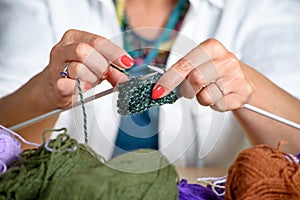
{"type": "Point", "coordinates": [41, 94]}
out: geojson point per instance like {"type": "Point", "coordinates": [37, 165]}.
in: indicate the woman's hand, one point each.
{"type": "Point", "coordinates": [87, 57]}
{"type": "Point", "coordinates": [212, 74]}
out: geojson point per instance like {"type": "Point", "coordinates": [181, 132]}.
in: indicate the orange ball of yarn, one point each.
{"type": "Point", "coordinates": [262, 172]}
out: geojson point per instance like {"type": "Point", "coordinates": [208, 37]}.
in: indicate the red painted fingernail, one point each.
{"type": "Point", "coordinates": [127, 61]}
{"type": "Point", "coordinates": [107, 73]}
{"type": "Point", "coordinates": [158, 90]}
{"type": "Point", "coordinates": [87, 86]}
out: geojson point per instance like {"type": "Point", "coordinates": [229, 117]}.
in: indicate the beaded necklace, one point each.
{"type": "Point", "coordinates": [146, 51]}
{"type": "Point", "coordinates": [144, 134]}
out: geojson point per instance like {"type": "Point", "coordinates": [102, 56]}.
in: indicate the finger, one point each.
{"type": "Point", "coordinates": [116, 77]}
{"type": "Point", "coordinates": [206, 51]}
{"type": "Point", "coordinates": [79, 70]}
{"type": "Point", "coordinates": [67, 91]}
{"type": "Point", "coordinates": [224, 72]}
{"type": "Point", "coordinates": [187, 90]}
{"type": "Point", "coordinates": [210, 95]}
{"type": "Point", "coordinates": [237, 93]}
{"type": "Point", "coordinates": [105, 47]}
{"type": "Point", "coordinates": [65, 88]}
{"type": "Point", "coordinates": [199, 78]}
{"type": "Point", "coordinates": [231, 101]}
{"type": "Point", "coordinates": [89, 79]}
{"type": "Point", "coordinates": [174, 76]}
{"type": "Point", "coordinates": [83, 53]}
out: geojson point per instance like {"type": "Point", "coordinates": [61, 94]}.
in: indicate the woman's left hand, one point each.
{"type": "Point", "coordinates": [212, 74]}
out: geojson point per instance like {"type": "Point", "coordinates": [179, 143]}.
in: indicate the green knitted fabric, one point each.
{"type": "Point", "coordinates": [135, 96]}
{"type": "Point", "coordinates": [81, 174]}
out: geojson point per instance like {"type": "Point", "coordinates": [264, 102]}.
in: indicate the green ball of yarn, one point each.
{"type": "Point", "coordinates": [37, 168]}
{"type": "Point", "coordinates": [135, 96]}
{"type": "Point", "coordinates": [75, 171]}
{"type": "Point", "coordinates": [108, 183]}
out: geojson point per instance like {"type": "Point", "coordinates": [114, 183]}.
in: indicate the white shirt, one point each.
{"type": "Point", "coordinates": [262, 33]}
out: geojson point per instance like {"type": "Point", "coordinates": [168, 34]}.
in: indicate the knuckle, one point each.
{"type": "Point", "coordinates": [240, 78]}
{"type": "Point", "coordinates": [214, 47]}
{"type": "Point", "coordinates": [213, 42]}
{"type": "Point", "coordinates": [232, 59]}
{"type": "Point", "coordinates": [54, 51]}
{"type": "Point", "coordinates": [237, 104]}
{"type": "Point", "coordinates": [184, 66]}
{"type": "Point", "coordinates": [219, 107]}
{"type": "Point", "coordinates": [82, 50]}
{"type": "Point", "coordinates": [248, 90]}
{"type": "Point", "coordinates": [204, 98]}
{"type": "Point", "coordinates": [196, 78]}
{"type": "Point", "coordinates": [227, 104]}
{"type": "Point", "coordinates": [69, 34]}
{"type": "Point", "coordinates": [230, 106]}
{"type": "Point", "coordinates": [98, 41]}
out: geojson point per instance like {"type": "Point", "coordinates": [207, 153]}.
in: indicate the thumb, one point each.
{"type": "Point", "coordinates": [179, 71]}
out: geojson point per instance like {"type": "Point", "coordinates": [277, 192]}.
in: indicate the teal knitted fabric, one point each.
{"type": "Point", "coordinates": [135, 96]}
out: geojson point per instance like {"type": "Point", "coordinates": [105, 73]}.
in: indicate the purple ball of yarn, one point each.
{"type": "Point", "coordinates": [10, 149]}
{"type": "Point", "coordinates": [195, 192]}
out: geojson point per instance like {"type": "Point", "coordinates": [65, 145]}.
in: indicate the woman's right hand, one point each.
{"type": "Point", "coordinates": [88, 57]}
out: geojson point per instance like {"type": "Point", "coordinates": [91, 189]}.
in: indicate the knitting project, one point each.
{"type": "Point", "coordinates": [135, 96]}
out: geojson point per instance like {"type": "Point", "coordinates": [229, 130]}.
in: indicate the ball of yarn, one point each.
{"type": "Point", "coordinates": [188, 191]}
{"type": "Point", "coordinates": [262, 172]}
{"type": "Point", "coordinates": [9, 149]}
{"type": "Point", "coordinates": [64, 169]}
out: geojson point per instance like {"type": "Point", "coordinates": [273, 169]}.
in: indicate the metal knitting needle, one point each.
{"type": "Point", "coordinates": [121, 70]}
{"type": "Point", "coordinates": [86, 100]}
{"type": "Point", "coordinates": [250, 107]}
{"type": "Point", "coordinates": [272, 116]}
{"type": "Point", "coordinates": [57, 111]}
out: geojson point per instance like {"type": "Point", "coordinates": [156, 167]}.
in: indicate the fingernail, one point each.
{"type": "Point", "coordinates": [107, 73]}
{"type": "Point", "coordinates": [127, 61]}
{"type": "Point", "coordinates": [158, 90]}
{"type": "Point", "coordinates": [87, 86]}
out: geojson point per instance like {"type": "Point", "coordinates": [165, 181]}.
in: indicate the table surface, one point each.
{"type": "Point", "coordinates": [192, 173]}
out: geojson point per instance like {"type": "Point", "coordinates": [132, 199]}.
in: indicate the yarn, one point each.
{"type": "Point", "coordinates": [189, 191]}
{"type": "Point", "coordinates": [74, 171]}
{"type": "Point", "coordinates": [215, 184]}
{"type": "Point", "coordinates": [10, 147]}
{"type": "Point", "coordinates": [262, 172]}
{"type": "Point", "coordinates": [83, 111]}
{"type": "Point", "coordinates": [135, 96]}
